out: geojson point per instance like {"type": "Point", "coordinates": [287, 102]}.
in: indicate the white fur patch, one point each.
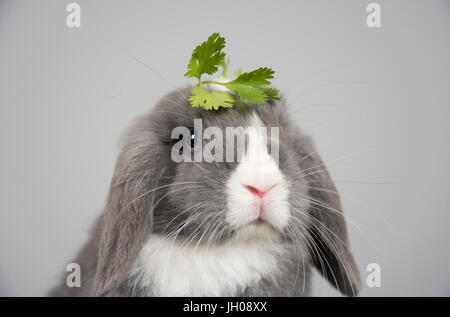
{"type": "Point", "coordinates": [167, 269]}
{"type": "Point", "coordinates": [259, 170]}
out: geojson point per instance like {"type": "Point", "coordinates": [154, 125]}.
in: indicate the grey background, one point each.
{"type": "Point", "coordinates": [375, 100]}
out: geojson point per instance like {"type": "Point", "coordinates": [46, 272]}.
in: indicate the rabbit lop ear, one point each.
{"type": "Point", "coordinates": [127, 218]}
{"type": "Point", "coordinates": [331, 250]}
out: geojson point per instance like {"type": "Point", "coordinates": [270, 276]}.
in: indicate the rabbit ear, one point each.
{"type": "Point", "coordinates": [127, 219]}
{"type": "Point", "coordinates": [330, 246]}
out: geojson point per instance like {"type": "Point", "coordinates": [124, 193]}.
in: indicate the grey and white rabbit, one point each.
{"type": "Point", "coordinates": [216, 228]}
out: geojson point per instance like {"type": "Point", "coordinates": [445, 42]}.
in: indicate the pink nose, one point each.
{"type": "Point", "coordinates": [256, 191]}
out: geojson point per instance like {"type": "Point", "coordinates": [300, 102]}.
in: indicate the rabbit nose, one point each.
{"type": "Point", "coordinates": [260, 190]}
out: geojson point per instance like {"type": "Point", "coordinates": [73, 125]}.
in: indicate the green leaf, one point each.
{"type": "Point", "coordinates": [247, 93]}
{"type": "Point", "coordinates": [207, 57]}
{"type": "Point", "coordinates": [248, 85]}
{"type": "Point", "coordinates": [258, 77]}
{"type": "Point", "coordinates": [271, 93]}
{"type": "Point", "coordinates": [210, 100]}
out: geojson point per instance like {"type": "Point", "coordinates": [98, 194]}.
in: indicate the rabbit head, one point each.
{"type": "Point", "coordinates": [254, 195]}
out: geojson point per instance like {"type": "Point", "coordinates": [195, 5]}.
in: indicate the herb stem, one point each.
{"type": "Point", "coordinates": [214, 82]}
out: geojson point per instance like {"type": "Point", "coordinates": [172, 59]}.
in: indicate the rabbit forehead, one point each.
{"type": "Point", "coordinates": [175, 110]}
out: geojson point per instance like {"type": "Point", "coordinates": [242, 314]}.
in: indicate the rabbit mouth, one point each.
{"type": "Point", "coordinates": [257, 222]}
{"type": "Point", "coordinates": [260, 222]}
{"type": "Point", "coordinates": [256, 230]}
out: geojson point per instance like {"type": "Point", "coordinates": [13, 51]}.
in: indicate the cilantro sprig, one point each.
{"type": "Point", "coordinates": [249, 87]}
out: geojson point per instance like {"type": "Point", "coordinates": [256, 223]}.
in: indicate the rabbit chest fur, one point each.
{"type": "Point", "coordinates": [167, 268]}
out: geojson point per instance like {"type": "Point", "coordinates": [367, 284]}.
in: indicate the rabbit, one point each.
{"type": "Point", "coordinates": [216, 228]}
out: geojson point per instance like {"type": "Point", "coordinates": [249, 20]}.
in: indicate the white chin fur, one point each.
{"type": "Point", "coordinates": [258, 169]}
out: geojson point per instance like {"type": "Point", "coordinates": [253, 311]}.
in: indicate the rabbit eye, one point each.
{"type": "Point", "coordinates": [192, 139]}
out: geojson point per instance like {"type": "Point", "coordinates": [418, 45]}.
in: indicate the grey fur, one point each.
{"type": "Point", "coordinates": [134, 209]}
